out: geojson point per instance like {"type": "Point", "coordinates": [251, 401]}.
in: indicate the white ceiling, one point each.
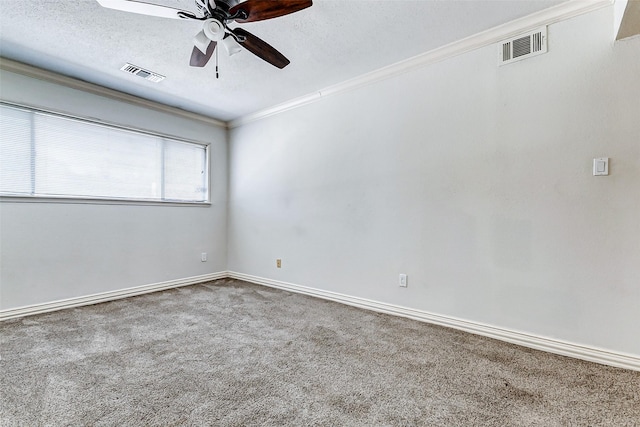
{"type": "Point", "coordinates": [328, 43]}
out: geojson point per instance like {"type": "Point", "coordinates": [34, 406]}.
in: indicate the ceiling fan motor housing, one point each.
{"type": "Point", "coordinates": [213, 29]}
{"type": "Point", "coordinates": [215, 15]}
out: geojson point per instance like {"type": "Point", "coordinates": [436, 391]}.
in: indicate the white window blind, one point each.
{"type": "Point", "coordinates": [47, 155]}
{"type": "Point", "coordinates": [15, 151]}
{"type": "Point", "coordinates": [184, 168]}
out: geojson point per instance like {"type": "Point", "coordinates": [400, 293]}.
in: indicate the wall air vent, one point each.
{"type": "Point", "coordinates": [141, 72]}
{"type": "Point", "coordinates": [523, 46]}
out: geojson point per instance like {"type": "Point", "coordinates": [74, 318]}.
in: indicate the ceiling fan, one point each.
{"type": "Point", "coordinates": [216, 15]}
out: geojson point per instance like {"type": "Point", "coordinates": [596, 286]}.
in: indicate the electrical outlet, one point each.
{"type": "Point", "coordinates": [279, 263]}
{"type": "Point", "coordinates": [403, 280]}
{"type": "Point", "coordinates": [203, 257]}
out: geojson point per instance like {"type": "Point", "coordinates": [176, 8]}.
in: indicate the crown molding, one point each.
{"type": "Point", "coordinates": [12, 66]}
{"type": "Point", "coordinates": [560, 12]}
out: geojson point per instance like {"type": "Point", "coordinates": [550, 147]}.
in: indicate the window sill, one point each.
{"type": "Point", "coordinates": [97, 201]}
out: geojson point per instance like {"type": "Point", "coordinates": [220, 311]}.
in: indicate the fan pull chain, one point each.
{"type": "Point", "coordinates": [217, 76]}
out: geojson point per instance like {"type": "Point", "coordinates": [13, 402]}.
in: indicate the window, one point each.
{"type": "Point", "coordinates": [49, 155]}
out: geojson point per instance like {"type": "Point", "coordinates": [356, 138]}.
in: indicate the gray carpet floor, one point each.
{"type": "Point", "coordinates": [229, 353]}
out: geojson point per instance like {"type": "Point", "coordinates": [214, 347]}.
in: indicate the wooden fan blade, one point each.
{"type": "Point", "coordinates": [258, 10]}
{"type": "Point", "coordinates": [261, 49]}
{"type": "Point", "coordinates": [143, 8]}
{"type": "Point", "coordinates": [199, 59]}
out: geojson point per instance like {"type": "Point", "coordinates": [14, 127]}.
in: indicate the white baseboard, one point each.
{"type": "Point", "coordinates": [550, 345]}
{"type": "Point", "coordinates": [106, 296]}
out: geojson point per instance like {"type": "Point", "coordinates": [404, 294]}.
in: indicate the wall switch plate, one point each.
{"type": "Point", "coordinates": [203, 257]}
{"type": "Point", "coordinates": [403, 280]}
{"type": "Point", "coordinates": [601, 166]}
{"type": "Point", "coordinates": [279, 263]}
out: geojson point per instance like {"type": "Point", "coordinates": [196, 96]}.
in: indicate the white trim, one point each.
{"type": "Point", "coordinates": [550, 345]}
{"type": "Point", "coordinates": [592, 354]}
{"type": "Point", "coordinates": [285, 106]}
{"type": "Point", "coordinates": [41, 74]}
{"type": "Point", "coordinates": [9, 198]}
{"type": "Point", "coordinates": [619, 9]}
{"type": "Point", "coordinates": [106, 296]}
{"type": "Point", "coordinates": [560, 12]}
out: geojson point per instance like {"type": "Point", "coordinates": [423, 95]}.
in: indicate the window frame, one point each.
{"type": "Point", "coordinates": [34, 198]}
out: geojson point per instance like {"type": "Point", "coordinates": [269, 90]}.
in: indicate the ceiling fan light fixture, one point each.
{"type": "Point", "coordinates": [201, 41]}
{"type": "Point", "coordinates": [231, 46]}
{"type": "Point", "coordinates": [215, 16]}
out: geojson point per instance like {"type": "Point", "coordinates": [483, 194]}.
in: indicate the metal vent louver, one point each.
{"type": "Point", "coordinates": [141, 72]}
{"type": "Point", "coordinates": [523, 46]}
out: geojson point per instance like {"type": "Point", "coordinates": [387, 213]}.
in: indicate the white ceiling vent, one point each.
{"type": "Point", "coordinates": [146, 74]}
{"type": "Point", "coordinates": [523, 46]}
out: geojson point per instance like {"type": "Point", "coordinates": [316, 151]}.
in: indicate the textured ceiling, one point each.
{"type": "Point", "coordinates": [328, 43]}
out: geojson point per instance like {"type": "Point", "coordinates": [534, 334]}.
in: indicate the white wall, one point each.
{"type": "Point", "coordinates": [474, 180]}
{"type": "Point", "coordinates": [53, 251]}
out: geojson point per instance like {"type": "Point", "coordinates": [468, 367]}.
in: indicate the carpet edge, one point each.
{"type": "Point", "coordinates": [29, 310]}
{"type": "Point", "coordinates": [550, 345]}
